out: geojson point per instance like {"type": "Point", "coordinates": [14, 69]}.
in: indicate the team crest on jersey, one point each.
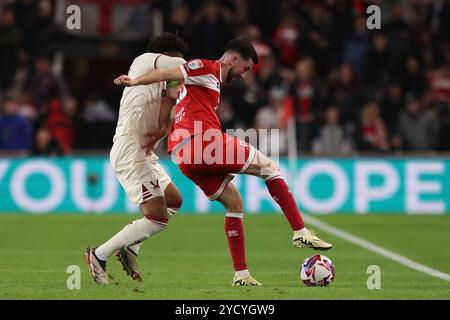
{"type": "Point", "coordinates": [195, 64]}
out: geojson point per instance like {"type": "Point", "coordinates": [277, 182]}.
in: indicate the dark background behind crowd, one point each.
{"type": "Point", "coordinates": [347, 89]}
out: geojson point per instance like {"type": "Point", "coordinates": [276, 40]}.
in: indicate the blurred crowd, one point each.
{"type": "Point", "coordinates": [323, 75]}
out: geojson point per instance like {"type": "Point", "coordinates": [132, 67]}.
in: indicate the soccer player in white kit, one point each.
{"type": "Point", "coordinates": [143, 109]}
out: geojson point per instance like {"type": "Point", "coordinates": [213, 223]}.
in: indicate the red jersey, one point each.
{"type": "Point", "coordinates": [197, 101]}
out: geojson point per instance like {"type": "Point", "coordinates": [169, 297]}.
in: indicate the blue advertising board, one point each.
{"type": "Point", "coordinates": [321, 186]}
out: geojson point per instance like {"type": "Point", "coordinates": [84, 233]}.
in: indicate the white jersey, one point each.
{"type": "Point", "coordinates": [140, 106]}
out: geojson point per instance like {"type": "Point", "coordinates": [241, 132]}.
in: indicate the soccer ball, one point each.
{"type": "Point", "coordinates": [317, 271]}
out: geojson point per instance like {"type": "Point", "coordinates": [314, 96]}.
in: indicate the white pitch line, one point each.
{"type": "Point", "coordinates": [375, 248]}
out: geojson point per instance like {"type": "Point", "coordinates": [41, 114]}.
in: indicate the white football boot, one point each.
{"type": "Point", "coordinates": [97, 267]}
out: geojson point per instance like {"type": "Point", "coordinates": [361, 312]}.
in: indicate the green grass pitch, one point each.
{"type": "Point", "coordinates": [190, 260]}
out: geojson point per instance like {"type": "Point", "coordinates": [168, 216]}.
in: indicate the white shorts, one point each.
{"type": "Point", "coordinates": [142, 177]}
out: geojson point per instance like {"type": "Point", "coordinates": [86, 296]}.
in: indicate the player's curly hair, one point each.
{"type": "Point", "coordinates": [243, 47]}
{"type": "Point", "coordinates": [167, 42]}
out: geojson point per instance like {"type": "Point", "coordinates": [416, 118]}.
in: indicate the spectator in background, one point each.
{"type": "Point", "coordinates": [26, 107]}
{"type": "Point", "coordinates": [10, 44]}
{"type": "Point", "coordinates": [400, 41]}
{"type": "Point", "coordinates": [345, 93]}
{"type": "Point", "coordinates": [417, 128]}
{"type": "Point", "coordinates": [97, 123]}
{"type": "Point", "coordinates": [212, 31]}
{"type": "Point", "coordinates": [25, 12]}
{"type": "Point", "coordinates": [44, 85]}
{"type": "Point", "coordinates": [45, 145]}
{"type": "Point", "coordinates": [43, 36]}
{"type": "Point", "coordinates": [332, 139]}
{"type": "Point", "coordinates": [304, 102]}
{"type": "Point", "coordinates": [60, 122]}
{"type": "Point", "coordinates": [350, 68]}
{"type": "Point", "coordinates": [271, 116]}
{"type": "Point", "coordinates": [413, 78]}
{"type": "Point", "coordinates": [443, 23]}
{"type": "Point", "coordinates": [371, 134]}
{"type": "Point", "coordinates": [444, 127]}
{"type": "Point", "coordinates": [268, 77]}
{"type": "Point", "coordinates": [245, 97]}
{"type": "Point", "coordinates": [314, 39]}
{"type": "Point", "coordinates": [285, 39]}
{"type": "Point", "coordinates": [179, 22]}
{"type": "Point", "coordinates": [253, 34]}
{"type": "Point", "coordinates": [226, 114]}
{"type": "Point", "coordinates": [342, 17]}
{"type": "Point", "coordinates": [265, 14]}
{"type": "Point", "coordinates": [440, 84]}
{"type": "Point", "coordinates": [377, 63]}
{"type": "Point", "coordinates": [392, 103]}
{"type": "Point", "coordinates": [15, 130]}
{"type": "Point", "coordinates": [21, 78]}
{"type": "Point", "coordinates": [356, 46]}
{"type": "Point", "coordinates": [97, 109]}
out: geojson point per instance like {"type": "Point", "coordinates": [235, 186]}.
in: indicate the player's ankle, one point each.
{"type": "Point", "coordinates": [243, 273]}
{"type": "Point", "coordinates": [100, 257]}
{"type": "Point", "coordinates": [301, 232]}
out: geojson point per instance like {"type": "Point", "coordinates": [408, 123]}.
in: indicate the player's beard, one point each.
{"type": "Point", "coordinates": [231, 76]}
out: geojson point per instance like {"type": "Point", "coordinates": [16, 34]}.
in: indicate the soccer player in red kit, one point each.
{"type": "Point", "coordinates": [210, 158]}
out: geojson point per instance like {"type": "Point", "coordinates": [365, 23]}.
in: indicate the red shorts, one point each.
{"type": "Point", "coordinates": [210, 164]}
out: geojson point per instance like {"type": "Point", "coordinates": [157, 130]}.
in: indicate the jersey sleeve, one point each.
{"type": "Point", "coordinates": [166, 62]}
{"type": "Point", "coordinates": [200, 72]}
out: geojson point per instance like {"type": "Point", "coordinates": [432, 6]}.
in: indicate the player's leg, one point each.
{"type": "Point", "coordinates": [267, 169]}
{"type": "Point", "coordinates": [174, 199]}
{"type": "Point", "coordinates": [155, 220]}
{"type": "Point", "coordinates": [213, 179]}
{"type": "Point", "coordinates": [232, 201]}
{"type": "Point", "coordinates": [143, 187]}
{"type": "Point", "coordinates": [171, 194]}
{"type": "Point", "coordinates": [128, 256]}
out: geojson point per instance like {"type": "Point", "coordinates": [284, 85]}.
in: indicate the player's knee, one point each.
{"type": "Point", "coordinates": [155, 209]}
{"type": "Point", "coordinates": [160, 215]}
{"type": "Point", "coordinates": [237, 207]}
{"type": "Point", "coordinates": [160, 220]}
{"type": "Point", "coordinates": [175, 202]}
{"type": "Point", "coordinates": [235, 203]}
{"type": "Point", "coordinates": [270, 170]}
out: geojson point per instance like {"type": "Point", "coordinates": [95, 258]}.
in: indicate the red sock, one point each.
{"type": "Point", "coordinates": [280, 192]}
{"type": "Point", "coordinates": [236, 242]}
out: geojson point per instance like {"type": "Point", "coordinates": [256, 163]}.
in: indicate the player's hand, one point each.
{"type": "Point", "coordinates": [153, 137]}
{"type": "Point", "coordinates": [125, 80]}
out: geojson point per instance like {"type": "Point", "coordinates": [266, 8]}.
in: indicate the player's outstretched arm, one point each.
{"type": "Point", "coordinates": [153, 76]}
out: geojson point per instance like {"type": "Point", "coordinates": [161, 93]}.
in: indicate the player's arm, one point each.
{"type": "Point", "coordinates": [154, 76]}
{"type": "Point", "coordinates": [167, 105]}
{"type": "Point", "coordinates": [167, 113]}
{"type": "Point", "coordinates": [166, 117]}
{"type": "Point", "coordinates": [168, 62]}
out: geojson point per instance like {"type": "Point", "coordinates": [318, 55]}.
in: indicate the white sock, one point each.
{"type": "Point", "coordinates": [134, 232]}
{"type": "Point", "coordinates": [135, 247]}
{"type": "Point", "coordinates": [243, 273]}
{"type": "Point", "coordinates": [301, 232]}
